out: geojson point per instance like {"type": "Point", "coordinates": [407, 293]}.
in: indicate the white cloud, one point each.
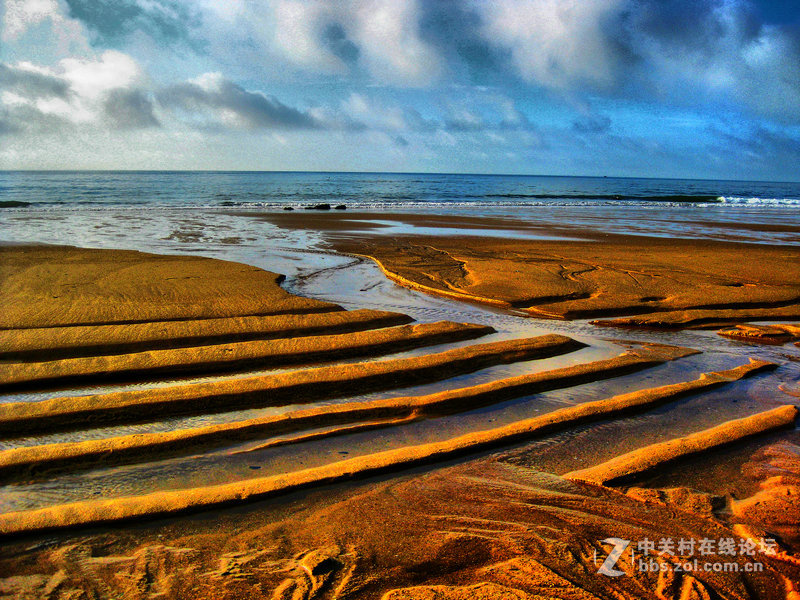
{"type": "Point", "coordinates": [555, 43]}
{"type": "Point", "coordinates": [374, 115]}
{"type": "Point", "coordinates": [387, 32]}
{"type": "Point", "coordinates": [77, 91]}
{"type": "Point", "coordinates": [298, 32]}
{"type": "Point", "coordinates": [382, 34]}
{"type": "Point", "coordinates": [21, 14]}
{"type": "Point", "coordinates": [66, 35]}
{"type": "Point", "coordinates": [90, 79]}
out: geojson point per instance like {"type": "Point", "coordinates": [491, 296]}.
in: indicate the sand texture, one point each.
{"type": "Point", "coordinates": [25, 461]}
{"type": "Point", "coordinates": [776, 506]}
{"type": "Point", "coordinates": [763, 334]}
{"type": "Point", "coordinates": [702, 318]}
{"type": "Point", "coordinates": [46, 286]}
{"type": "Point", "coordinates": [235, 356]}
{"type": "Point", "coordinates": [95, 340]}
{"type": "Point", "coordinates": [272, 389]}
{"type": "Point", "coordinates": [337, 493]}
{"type": "Point", "coordinates": [172, 502]}
{"type": "Point", "coordinates": [483, 530]}
{"type": "Point", "coordinates": [612, 276]}
{"type": "Point", "coordinates": [628, 466]}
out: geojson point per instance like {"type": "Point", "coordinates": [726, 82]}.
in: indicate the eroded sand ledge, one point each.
{"type": "Point", "coordinates": [161, 504]}
{"type": "Point", "coordinates": [237, 356]}
{"type": "Point", "coordinates": [272, 389]}
{"type": "Point", "coordinates": [627, 466]}
{"type": "Point", "coordinates": [118, 450]}
{"type": "Point", "coordinates": [48, 343]}
{"type": "Point", "coordinates": [599, 278]}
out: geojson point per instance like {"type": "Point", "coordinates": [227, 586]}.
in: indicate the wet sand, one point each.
{"type": "Point", "coordinates": [455, 516]}
{"type": "Point", "coordinates": [597, 279]}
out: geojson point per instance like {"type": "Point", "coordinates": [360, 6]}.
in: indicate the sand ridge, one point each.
{"type": "Point", "coordinates": [480, 528]}
{"type": "Point", "coordinates": [159, 504]}
{"type": "Point", "coordinates": [627, 466]}
{"type": "Point", "coordinates": [304, 385]}
{"type": "Point", "coordinates": [236, 356]}
{"type": "Point", "coordinates": [377, 413]}
{"type": "Point", "coordinates": [48, 343]}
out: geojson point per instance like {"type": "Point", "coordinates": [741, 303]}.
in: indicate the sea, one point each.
{"type": "Point", "coordinates": [162, 210]}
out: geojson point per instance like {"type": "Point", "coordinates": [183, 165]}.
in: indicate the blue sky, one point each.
{"type": "Point", "coordinates": [654, 88]}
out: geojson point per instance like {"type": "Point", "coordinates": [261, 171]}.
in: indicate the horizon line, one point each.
{"type": "Point", "coordinates": [284, 171]}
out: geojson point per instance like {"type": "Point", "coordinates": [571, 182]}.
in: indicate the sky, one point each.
{"type": "Point", "coordinates": [643, 88]}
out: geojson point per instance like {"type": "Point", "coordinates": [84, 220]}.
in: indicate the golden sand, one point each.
{"type": "Point", "coordinates": [237, 356]}
{"type": "Point", "coordinates": [47, 343]}
{"type": "Point", "coordinates": [612, 276]}
{"type": "Point", "coordinates": [172, 502]}
{"type": "Point", "coordinates": [628, 466]}
{"type": "Point", "coordinates": [480, 529]}
{"type": "Point", "coordinates": [289, 387]}
{"type": "Point", "coordinates": [109, 451]}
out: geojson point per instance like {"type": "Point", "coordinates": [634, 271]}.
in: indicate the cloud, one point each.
{"type": "Point", "coordinates": [129, 109]}
{"type": "Point", "coordinates": [19, 117]}
{"type": "Point", "coordinates": [100, 91]}
{"type": "Point", "coordinates": [371, 114]}
{"type": "Point", "coordinates": [22, 14]}
{"type": "Point", "coordinates": [556, 43]}
{"type": "Point", "coordinates": [721, 51]}
{"type": "Point", "coordinates": [679, 52]}
{"type": "Point", "coordinates": [377, 38]}
{"type": "Point", "coordinates": [91, 78]}
{"type": "Point", "coordinates": [464, 119]}
{"type": "Point", "coordinates": [114, 19]}
{"type": "Point", "coordinates": [761, 145]}
{"type": "Point", "coordinates": [27, 80]}
{"type": "Point", "coordinates": [225, 103]}
{"type": "Point", "coordinates": [676, 51]}
{"type": "Point", "coordinates": [388, 34]}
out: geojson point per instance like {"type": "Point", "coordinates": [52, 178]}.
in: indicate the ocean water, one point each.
{"type": "Point", "coordinates": [168, 211]}
{"type": "Point", "coordinates": [376, 190]}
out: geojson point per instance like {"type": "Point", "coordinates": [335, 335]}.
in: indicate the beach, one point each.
{"type": "Point", "coordinates": [380, 403]}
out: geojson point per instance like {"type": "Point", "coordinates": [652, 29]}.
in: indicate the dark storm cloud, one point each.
{"type": "Point", "coordinates": [754, 150]}
{"type": "Point", "coordinates": [762, 143]}
{"type": "Point", "coordinates": [114, 19]}
{"type": "Point", "coordinates": [254, 110]}
{"type": "Point", "coordinates": [129, 109]}
{"type": "Point", "coordinates": [710, 53]}
{"type": "Point", "coordinates": [723, 46]}
{"type": "Point", "coordinates": [31, 83]}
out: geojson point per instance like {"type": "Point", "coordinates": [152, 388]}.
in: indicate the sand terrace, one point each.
{"type": "Point", "coordinates": [328, 376]}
